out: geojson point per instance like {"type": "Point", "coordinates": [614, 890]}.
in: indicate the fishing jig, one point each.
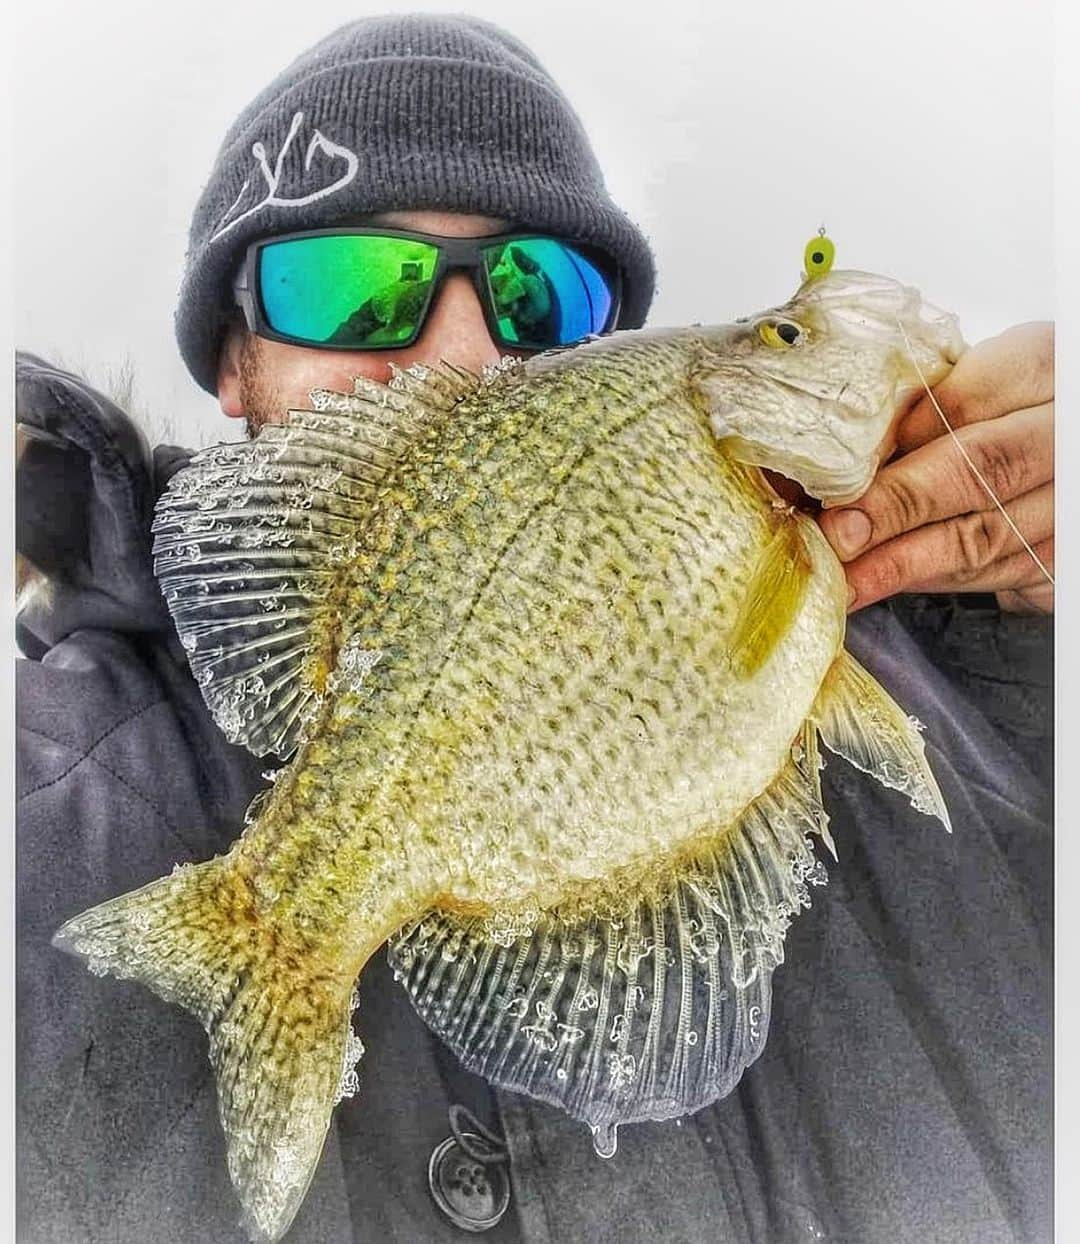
{"type": "Point", "coordinates": [818, 255]}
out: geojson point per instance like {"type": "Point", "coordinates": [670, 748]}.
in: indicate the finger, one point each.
{"type": "Point", "coordinates": [1013, 454]}
{"type": "Point", "coordinates": [1015, 572]}
{"type": "Point", "coordinates": [954, 552]}
{"type": "Point", "coordinates": [1004, 373]}
{"type": "Point", "coordinates": [1036, 599]}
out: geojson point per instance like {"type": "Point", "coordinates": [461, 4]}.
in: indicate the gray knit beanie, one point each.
{"type": "Point", "coordinates": [401, 112]}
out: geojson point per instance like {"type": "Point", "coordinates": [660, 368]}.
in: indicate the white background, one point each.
{"type": "Point", "coordinates": [920, 134]}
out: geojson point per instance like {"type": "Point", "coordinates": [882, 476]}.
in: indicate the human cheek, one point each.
{"type": "Point", "coordinates": [293, 372]}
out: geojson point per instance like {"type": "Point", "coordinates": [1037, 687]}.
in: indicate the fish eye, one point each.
{"type": "Point", "coordinates": [780, 334]}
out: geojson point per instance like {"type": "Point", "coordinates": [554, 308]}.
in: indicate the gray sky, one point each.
{"type": "Point", "coordinates": [919, 134]}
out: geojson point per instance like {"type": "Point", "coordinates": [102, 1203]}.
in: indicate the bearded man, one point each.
{"type": "Point", "coordinates": [905, 1090]}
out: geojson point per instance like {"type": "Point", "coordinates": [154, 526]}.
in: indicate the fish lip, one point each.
{"type": "Point", "coordinates": [834, 500]}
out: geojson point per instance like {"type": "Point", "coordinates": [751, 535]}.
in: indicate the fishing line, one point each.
{"type": "Point", "coordinates": [967, 458]}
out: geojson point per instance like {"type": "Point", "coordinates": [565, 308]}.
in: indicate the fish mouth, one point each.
{"type": "Point", "coordinates": [810, 449]}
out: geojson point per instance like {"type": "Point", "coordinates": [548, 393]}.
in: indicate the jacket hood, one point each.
{"type": "Point", "coordinates": [86, 484]}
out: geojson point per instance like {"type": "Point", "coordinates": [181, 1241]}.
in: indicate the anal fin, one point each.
{"type": "Point", "coordinates": [648, 1006]}
{"type": "Point", "coordinates": [860, 721]}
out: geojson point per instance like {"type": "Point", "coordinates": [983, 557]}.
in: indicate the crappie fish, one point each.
{"type": "Point", "coordinates": [551, 660]}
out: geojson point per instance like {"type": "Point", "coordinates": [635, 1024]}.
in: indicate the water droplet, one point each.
{"type": "Point", "coordinates": [605, 1139]}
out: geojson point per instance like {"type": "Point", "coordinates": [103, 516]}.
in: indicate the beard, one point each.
{"type": "Point", "coordinates": [261, 400]}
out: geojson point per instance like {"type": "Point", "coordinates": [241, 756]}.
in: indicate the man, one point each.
{"type": "Point", "coordinates": [904, 1092]}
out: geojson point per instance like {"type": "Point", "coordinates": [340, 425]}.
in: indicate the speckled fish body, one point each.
{"type": "Point", "coordinates": [553, 592]}
{"type": "Point", "coordinates": [550, 660]}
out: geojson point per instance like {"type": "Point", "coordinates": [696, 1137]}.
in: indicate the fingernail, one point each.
{"type": "Point", "coordinates": [852, 597]}
{"type": "Point", "coordinates": [847, 531]}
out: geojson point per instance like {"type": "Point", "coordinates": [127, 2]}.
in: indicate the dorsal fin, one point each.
{"type": "Point", "coordinates": [250, 539]}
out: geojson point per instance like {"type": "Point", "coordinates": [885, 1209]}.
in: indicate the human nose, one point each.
{"type": "Point", "coordinates": [455, 330]}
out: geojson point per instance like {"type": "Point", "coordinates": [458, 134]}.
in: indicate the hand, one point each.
{"type": "Point", "coordinates": [926, 524]}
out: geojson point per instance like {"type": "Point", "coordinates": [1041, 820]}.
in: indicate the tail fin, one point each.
{"type": "Point", "coordinates": [278, 1022]}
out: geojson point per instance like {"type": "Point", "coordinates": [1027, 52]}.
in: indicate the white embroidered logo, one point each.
{"type": "Point", "coordinates": [272, 177]}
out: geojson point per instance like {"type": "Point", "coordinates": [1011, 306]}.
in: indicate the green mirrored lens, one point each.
{"type": "Point", "coordinates": [546, 293]}
{"type": "Point", "coordinates": [347, 290]}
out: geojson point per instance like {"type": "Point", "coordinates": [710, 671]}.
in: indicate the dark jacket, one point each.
{"type": "Point", "coordinates": [905, 1090]}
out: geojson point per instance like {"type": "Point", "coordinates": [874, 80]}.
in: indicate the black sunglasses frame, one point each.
{"type": "Point", "coordinates": [454, 255]}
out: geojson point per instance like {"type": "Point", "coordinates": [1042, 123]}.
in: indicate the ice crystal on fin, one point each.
{"type": "Point", "coordinates": [507, 365]}
{"type": "Point", "coordinates": [354, 1051]}
{"type": "Point", "coordinates": [326, 477]}
{"type": "Point", "coordinates": [400, 377]}
{"type": "Point", "coordinates": [816, 874]}
{"type": "Point", "coordinates": [307, 715]}
{"type": "Point", "coordinates": [504, 928]}
{"type": "Point", "coordinates": [541, 1033]}
{"type": "Point", "coordinates": [354, 663]}
{"type": "Point", "coordinates": [605, 1139]}
{"type": "Point", "coordinates": [516, 1007]}
{"type": "Point", "coordinates": [631, 952]}
{"type": "Point", "coordinates": [704, 940]}
{"type": "Point", "coordinates": [621, 1068]}
{"type": "Point", "coordinates": [405, 954]}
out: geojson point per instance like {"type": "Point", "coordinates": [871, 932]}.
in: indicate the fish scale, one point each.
{"type": "Point", "coordinates": [550, 663]}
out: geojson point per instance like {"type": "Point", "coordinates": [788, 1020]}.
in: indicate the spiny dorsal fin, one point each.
{"type": "Point", "coordinates": [442, 387]}
{"type": "Point", "coordinates": [653, 1005]}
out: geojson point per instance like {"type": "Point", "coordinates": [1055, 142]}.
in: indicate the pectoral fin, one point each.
{"type": "Point", "coordinates": [772, 599]}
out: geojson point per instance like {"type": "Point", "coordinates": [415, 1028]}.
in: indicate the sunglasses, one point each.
{"type": "Point", "coordinates": [372, 289]}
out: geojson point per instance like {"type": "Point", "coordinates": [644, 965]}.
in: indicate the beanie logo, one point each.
{"type": "Point", "coordinates": [273, 177]}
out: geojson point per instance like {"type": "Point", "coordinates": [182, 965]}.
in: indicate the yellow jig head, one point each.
{"type": "Point", "coordinates": [819, 255]}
